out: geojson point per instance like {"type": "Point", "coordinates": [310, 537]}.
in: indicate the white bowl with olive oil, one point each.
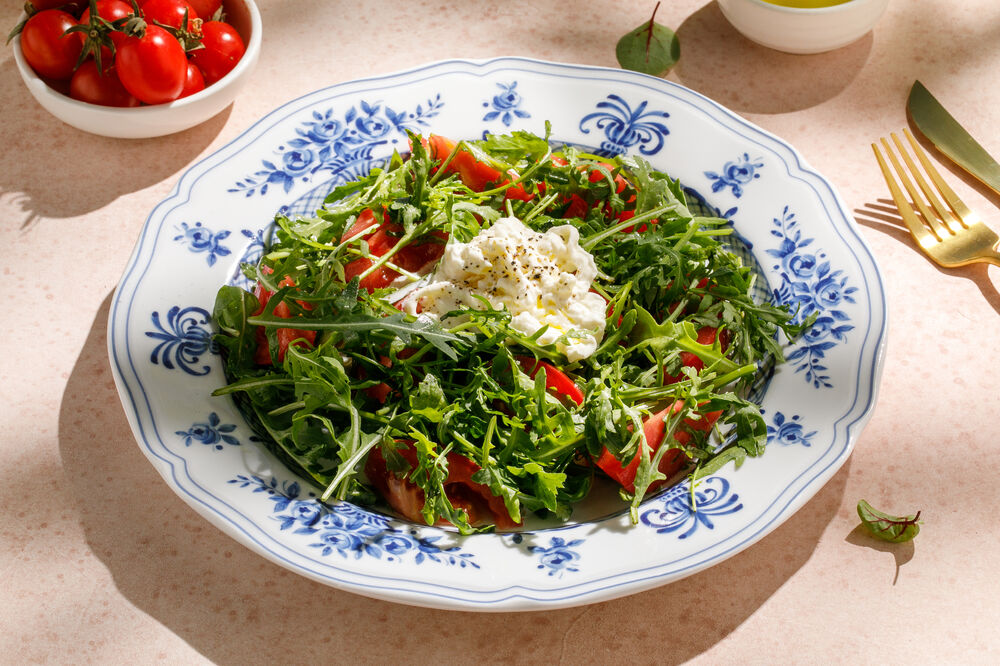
{"type": "Point", "coordinates": [803, 26]}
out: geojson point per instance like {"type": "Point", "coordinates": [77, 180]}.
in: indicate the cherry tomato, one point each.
{"type": "Point", "coordinates": [412, 258]}
{"type": "Point", "coordinates": [94, 87]}
{"type": "Point", "coordinates": [655, 430]}
{"type": "Point", "coordinates": [286, 336]}
{"type": "Point", "coordinates": [169, 13]}
{"type": "Point", "coordinates": [49, 52]}
{"type": "Point", "coordinates": [365, 220]}
{"type": "Point", "coordinates": [110, 11]}
{"type": "Point", "coordinates": [194, 81]}
{"type": "Point", "coordinates": [223, 49]}
{"type": "Point", "coordinates": [408, 499]}
{"type": "Point", "coordinates": [152, 67]}
{"type": "Point", "coordinates": [556, 380]}
{"type": "Point", "coordinates": [476, 175]}
{"type": "Point", "coordinates": [206, 8]}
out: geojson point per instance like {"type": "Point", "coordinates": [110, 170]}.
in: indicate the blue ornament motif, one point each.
{"type": "Point", "coordinates": [251, 255]}
{"type": "Point", "coordinates": [788, 432]}
{"type": "Point", "coordinates": [677, 510]}
{"type": "Point", "coordinates": [624, 127]}
{"type": "Point", "coordinates": [735, 175]}
{"type": "Point", "coordinates": [202, 239]}
{"type": "Point", "coordinates": [347, 530]}
{"type": "Point", "coordinates": [341, 146]}
{"type": "Point", "coordinates": [505, 105]}
{"type": "Point", "coordinates": [184, 339]}
{"type": "Point", "coordinates": [559, 557]}
{"type": "Point", "coordinates": [214, 433]}
{"type": "Point", "coordinates": [810, 285]}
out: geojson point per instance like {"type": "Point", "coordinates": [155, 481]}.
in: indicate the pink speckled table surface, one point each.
{"type": "Point", "coordinates": [102, 563]}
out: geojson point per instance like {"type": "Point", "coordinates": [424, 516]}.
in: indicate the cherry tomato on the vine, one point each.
{"type": "Point", "coordinates": [152, 67]}
{"type": "Point", "coordinates": [49, 52]}
{"type": "Point", "coordinates": [110, 11]}
{"type": "Point", "coordinates": [170, 13]}
{"type": "Point", "coordinates": [206, 8]}
{"type": "Point", "coordinates": [194, 81]}
{"type": "Point", "coordinates": [223, 49]}
{"type": "Point", "coordinates": [94, 87]}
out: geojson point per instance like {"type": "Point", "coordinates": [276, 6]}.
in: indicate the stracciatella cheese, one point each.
{"type": "Point", "coordinates": [542, 279]}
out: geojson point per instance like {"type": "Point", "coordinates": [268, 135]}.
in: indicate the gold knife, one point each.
{"type": "Point", "coordinates": [950, 138]}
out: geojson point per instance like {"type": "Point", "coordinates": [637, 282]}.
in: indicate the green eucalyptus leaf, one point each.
{"type": "Point", "coordinates": [896, 529]}
{"type": "Point", "coordinates": [651, 48]}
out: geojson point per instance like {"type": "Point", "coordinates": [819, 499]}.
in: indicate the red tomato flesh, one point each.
{"type": "Point", "coordinates": [407, 499]}
{"type": "Point", "coordinates": [654, 428]}
{"type": "Point", "coordinates": [413, 257]}
{"type": "Point", "coordinates": [556, 380]}
{"type": "Point", "coordinates": [476, 175]}
{"type": "Point", "coordinates": [286, 336]}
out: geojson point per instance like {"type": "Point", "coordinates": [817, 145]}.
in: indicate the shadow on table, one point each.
{"type": "Point", "coordinates": [719, 62]}
{"type": "Point", "coordinates": [64, 172]}
{"type": "Point", "coordinates": [884, 217]}
{"type": "Point", "coordinates": [235, 607]}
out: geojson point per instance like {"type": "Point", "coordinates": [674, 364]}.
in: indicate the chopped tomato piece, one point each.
{"type": "Point", "coordinates": [412, 258]}
{"type": "Point", "coordinates": [556, 380]}
{"type": "Point", "coordinates": [655, 429]}
{"type": "Point", "coordinates": [286, 336]}
{"type": "Point", "coordinates": [577, 207]}
{"type": "Point", "coordinates": [365, 220]}
{"type": "Point", "coordinates": [406, 498]}
{"type": "Point", "coordinates": [596, 175]}
{"type": "Point", "coordinates": [476, 175]}
{"type": "Point", "coordinates": [517, 192]}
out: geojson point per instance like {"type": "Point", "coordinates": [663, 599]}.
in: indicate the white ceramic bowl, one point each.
{"type": "Point", "coordinates": [794, 30]}
{"type": "Point", "coordinates": [161, 119]}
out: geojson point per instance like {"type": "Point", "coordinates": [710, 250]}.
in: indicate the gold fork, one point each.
{"type": "Point", "coordinates": [951, 235]}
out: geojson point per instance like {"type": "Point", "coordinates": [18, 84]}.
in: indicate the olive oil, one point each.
{"type": "Point", "coordinates": [806, 4]}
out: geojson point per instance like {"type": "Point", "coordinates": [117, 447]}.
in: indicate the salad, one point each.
{"type": "Point", "coordinates": [480, 330]}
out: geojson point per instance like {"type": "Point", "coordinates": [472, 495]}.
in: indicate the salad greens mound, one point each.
{"type": "Point", "coordinates": [475, 423]}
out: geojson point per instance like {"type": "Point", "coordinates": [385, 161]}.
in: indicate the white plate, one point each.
{"type": "Point", "coordinates": [800, 233]}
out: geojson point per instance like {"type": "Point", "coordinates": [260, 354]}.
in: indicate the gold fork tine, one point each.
{"type": "Point", "coordinates": [930, 219]}
{"type": "Point", "coordinates": [965, 215]}
{"type": "Point", "coordinates": [916, 227]}
{"type": "Point", "coordinates": [944, 213]}
{"type": "Point", "coordinates": [949, 241]}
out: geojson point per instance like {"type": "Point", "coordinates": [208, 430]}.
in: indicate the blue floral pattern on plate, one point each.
{"type": "Point", "coordinates": [505, 105]}
{"type": "Point", "coordinates": [809, 284]}
{"type": "Point", "coordinates": [625, 127]}
{"type": "Point", "coordinates": [735, 175]}
{"type": "Point", "coordinates": [788, 431]}
{"type": "Point", "coordinates": [341, 146]}
{"type": "Point", "coordinates": [347, 530]}
{"type": "Point", "coordinates": [213, 433]}
{"type": "Point", "coordinates": [200, 239]}
{"type": "Point", "coordinates": [559, 557]}
{"type": "Point", "coordinates": [184, 338]}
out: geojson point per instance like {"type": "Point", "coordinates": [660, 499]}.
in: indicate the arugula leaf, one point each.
{"type": "Point", "coordinates": [895, 529]}
{"type": "Point", "coordinates": [429, 401]}
{"type": "Point", "coordinates": [232, 307]}
{"type": "Point", "coordinates": [397, 324]}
